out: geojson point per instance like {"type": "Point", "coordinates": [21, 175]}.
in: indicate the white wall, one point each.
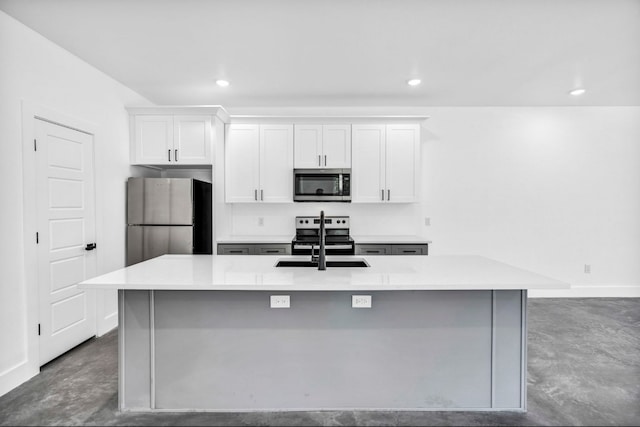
{"type": "Point", "coordinates": [548, 189]}
{"type": "Point", "coordinates": [36, 71]}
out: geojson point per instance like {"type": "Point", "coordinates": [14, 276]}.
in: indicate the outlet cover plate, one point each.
{"type": "Point", "coordinates": [280, 301]}
{"type": "Point", "coordinates": [361, 301]}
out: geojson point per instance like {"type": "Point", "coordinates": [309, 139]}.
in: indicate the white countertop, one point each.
{"type": "Point", "coordinates": [251, 273]}
{"type": "Point", "coordinates": [280, 238]}
{"type": "Point", "coordinates": [389, 239]}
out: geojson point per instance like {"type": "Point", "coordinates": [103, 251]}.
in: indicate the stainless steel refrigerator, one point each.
{"type": "Point", "coordinates": [168, 216]}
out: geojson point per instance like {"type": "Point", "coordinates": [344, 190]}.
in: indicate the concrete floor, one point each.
{"type": "Point", "coordinates": [584, 369]}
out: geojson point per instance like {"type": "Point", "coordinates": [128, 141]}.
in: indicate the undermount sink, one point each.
{"type": "Point", "coordinates": [356, 262]}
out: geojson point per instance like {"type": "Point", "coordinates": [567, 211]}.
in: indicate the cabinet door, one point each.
{"type": "Point", "coordinates": [276, 163]}
{"type": "Point", "coordinates": [242, 163]}
{"type": "Point", "coordinates": [192, 140]}
{"type": "Point", "coordinates": [336, 146]}
{"type": "Point", "coordinates": [368, 159]}
{"type": "Point", "coordinates": [308, 146]}
{"type": "Point", "coordinates": [403, 155]}
{"type": "Point", "coordinates": [153, 140]}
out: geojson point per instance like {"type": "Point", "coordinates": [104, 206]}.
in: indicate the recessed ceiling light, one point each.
{"type": "Point", "coordinates": [414, 82]}
{"type": "Point", "coordinates": [577, 91]}
{"type": "Point", "coordinates": [222, 83]}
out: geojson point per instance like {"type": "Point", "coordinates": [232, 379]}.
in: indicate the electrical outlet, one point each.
{"type": "Point", "coordinates": [280, 301]}
{"type": "Point", "coordinates": [587, 269]}
{"type": "Point", "coordinates": [427, 221]}
{"type": "Point", "coordinates": [361, 301]}
{"type": "Point", "coordinates": [260, 221]}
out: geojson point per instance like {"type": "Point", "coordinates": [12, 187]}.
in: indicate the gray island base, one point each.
{"type": "Point", "coordinates": [227, 350]}
{"type": "Point", "coordinates": [197, 333]}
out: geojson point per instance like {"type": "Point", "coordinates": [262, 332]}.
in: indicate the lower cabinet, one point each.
{"type": "Point", "coordinates": [254, 249]}
{"type": "Point", "coordinates": [392, 249]}
{"type": "Point", "coordinates": [285, 249]}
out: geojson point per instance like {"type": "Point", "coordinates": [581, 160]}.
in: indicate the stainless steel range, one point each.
{"type": "Point", "coordinates": [337, 238]}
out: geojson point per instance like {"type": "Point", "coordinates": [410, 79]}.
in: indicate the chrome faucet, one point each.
{"type": "Point", "coordinates": [322, 263]}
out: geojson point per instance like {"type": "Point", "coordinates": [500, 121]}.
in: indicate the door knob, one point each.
{"type": "Point", "coordinates": [90, 247]}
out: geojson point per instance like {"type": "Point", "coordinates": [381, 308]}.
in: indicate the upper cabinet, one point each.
{"type": "Point", "coordinates": [322, 146]}
{"type": "Point", "coordinates": [172, 136]}
{"type": "Point", "coordinates": [170, 140]}
{"type": "Point", "coordinates": [259, 163]}
{"type": "Point", "coordinates": [385, 160]}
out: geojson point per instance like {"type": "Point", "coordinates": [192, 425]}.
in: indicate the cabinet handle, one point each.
{"type": "Point", "coordinates": [237, 251]}
{"type": "Point", "coordinates": [272, 251]}
{"type": "Point", "coordinates": [406, 251]}
{"type": "Point", "coordinates": [175, 155]}
{"type": "Point", "coordinates": [262, 195]}
{"type": "Point", "coordinates": [372, 252]}
{"type": "Point", "coordinates": [325, 160]}
{"type": "Point", "coordinates": [388, 195]}
{"type": "Point", "coordinates": [319, 160]}
{"type": "Point", "coordinates": [169, 154]}
{"type": "Point", "coordinates": [382, 194]}
{"type": "Point", "coordinates": [255, 194]}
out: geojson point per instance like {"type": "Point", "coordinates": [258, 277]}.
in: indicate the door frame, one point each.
{"type": "Point", "coordinates": [31, 112]}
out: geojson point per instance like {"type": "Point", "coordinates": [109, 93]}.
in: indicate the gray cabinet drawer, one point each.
{"type": "Point", "coordinates": [229, 249]}
{"type": "Point", "coordinates": [274, 249]}
{"type": "Point", "coordinates": [392, 249]}
{"type": "Point", "coordinates": [373, 249]}
{"type": "Point", "coordinates": [254, 249]}
{"type": "Point", "coordinates": [409, 250]}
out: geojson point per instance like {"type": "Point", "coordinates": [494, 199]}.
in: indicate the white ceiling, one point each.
{"type": "Point", "coordinates": [353, 52]}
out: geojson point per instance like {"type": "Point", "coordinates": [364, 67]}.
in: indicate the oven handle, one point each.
{"type": "Point", "coordinates": [310, 246]}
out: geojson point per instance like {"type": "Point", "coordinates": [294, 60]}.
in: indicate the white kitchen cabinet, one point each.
{"type": "Point", "coordinates": [259, 163]}
{"type": "Point", "coordinates": [172, 140]}
{"type": "Point", "coordinates": [322, 146]}
{"type": "Point", "coordinates": [385, 163]}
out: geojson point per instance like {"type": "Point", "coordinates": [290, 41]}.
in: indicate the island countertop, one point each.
{"type": "Point", "coordinates": [258, 273]}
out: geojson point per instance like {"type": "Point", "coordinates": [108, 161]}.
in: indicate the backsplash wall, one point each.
{"type": "Point", "coordinates": [366, 218]}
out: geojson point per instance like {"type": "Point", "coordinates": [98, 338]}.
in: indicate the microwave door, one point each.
{"type": "Point", "coordinates": [317, 185]}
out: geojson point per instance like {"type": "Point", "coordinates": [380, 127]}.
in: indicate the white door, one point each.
{"type": "Point", "coordinates": [192, 140]}
{"type": "Point", "coordinates": [153, 140]}
{"type": "Point", "coordinates": [308, 146]}
{"type": "Point", "coordinates": [65, 225]}
{"type": "Point", "coordinates": [242, 163]}
{"type": "Point", "coordinates": [336, 146]}
{"type": "Point", "coordinates": [403, 154]}
{"type": "Point", "coordinates": [368, 158]}
{"type": "Point", "coordinates": [276, 163]}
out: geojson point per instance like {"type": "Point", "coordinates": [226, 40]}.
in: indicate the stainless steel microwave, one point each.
{"type": "Point", "coordinates": [322, 185]}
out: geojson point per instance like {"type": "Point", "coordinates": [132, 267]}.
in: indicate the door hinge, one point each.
{"type": "Point", "coordinates": [37, 238]}
{"type": "Point", "coordinates": [35, 145]}
{"type": "Point", "coordinates": [38, 328]}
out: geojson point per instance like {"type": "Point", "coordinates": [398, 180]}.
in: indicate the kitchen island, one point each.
{"type": "Point", "coordinates": [442, 333]}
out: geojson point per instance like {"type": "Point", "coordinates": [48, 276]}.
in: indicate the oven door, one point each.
{"type": "Point", "coordinates": [324, 185]}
